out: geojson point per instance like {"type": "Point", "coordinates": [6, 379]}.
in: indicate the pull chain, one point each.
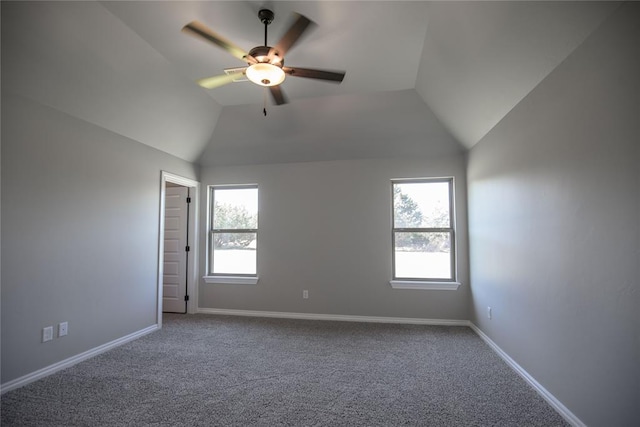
{"type": "Point", "coordinates": [264, 109]}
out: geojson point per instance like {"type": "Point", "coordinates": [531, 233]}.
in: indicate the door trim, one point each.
{"type": "Point", "coordinates": [192, 265]}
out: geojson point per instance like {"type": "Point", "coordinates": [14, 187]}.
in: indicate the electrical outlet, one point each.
{"type": "Point", "coordinates": [489, 312]}
{"type": "Point", "coordinates": [305, 294]}
{"type": "Point", "coordinates": [47, 333]}
{"type": "Point", "coordinates": [63, 329]}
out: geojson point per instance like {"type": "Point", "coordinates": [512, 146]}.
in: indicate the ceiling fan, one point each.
{"type": "Point", "coordinates": [265, 64]}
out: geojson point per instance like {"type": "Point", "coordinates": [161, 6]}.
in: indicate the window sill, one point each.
{"type": "Point", "coordinates": [231, 280]}
{"type": "Point", "coordinates": [416, 284]}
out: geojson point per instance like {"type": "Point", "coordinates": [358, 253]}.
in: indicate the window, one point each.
{"type": "Point", "coordinates": [233, 233]}
{"type": "Point", "coordinates": [423, 236]}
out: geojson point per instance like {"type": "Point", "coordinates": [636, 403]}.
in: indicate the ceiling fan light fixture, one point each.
{"type": "Point", "coordinates": [265, 74]}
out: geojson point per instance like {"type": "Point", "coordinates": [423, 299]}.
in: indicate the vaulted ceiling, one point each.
{"type": "Point", "coordinates": [422, 78]}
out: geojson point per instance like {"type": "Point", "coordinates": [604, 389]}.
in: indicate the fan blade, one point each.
{"type": "Point", "coordinates": [334, 76]}
{"type": "Point", "coordinates": [292, 35]}
{"type": "Point", "coordinates": [277, 95]}
{"type": "Point", "coordinates": [217, 81]}
{"type": "Point", "coordinates": [200, 30]}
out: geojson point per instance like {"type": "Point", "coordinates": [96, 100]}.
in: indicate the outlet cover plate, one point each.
{"type": "Point", "coordinates": [47, 333]}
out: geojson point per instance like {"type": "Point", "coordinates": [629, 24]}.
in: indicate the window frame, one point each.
{"type": "Point", "coordinates": [228, 278]}
{"type": "Point", "coordinates": [425, 282]}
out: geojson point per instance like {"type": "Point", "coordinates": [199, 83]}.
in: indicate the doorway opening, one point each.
{"type": "Point", "coordinates": [178, 245]}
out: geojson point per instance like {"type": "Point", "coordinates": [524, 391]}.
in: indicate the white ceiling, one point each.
{"type": "Point", "coordinates": [421, 77]}
{"type": "Point", "coordinates": [481, 58]}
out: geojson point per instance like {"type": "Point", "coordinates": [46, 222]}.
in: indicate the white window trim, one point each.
{"type": "Point", "coordinates": [231, 280]}
{"type": "Point", "coordinates": [433, 286]}
{"type": "Point", "coordinates": [428, 283]}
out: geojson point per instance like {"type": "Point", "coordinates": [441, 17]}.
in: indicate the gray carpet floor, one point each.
{"type": "Point", "coordinates": [203, 370]}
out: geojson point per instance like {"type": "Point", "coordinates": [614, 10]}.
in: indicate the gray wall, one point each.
{"type": "Point", "coordinates": [80, 218]}
{"type": "Point", "coordinates": [554, 228]}
{"type": "Point", "coordinates": [325, 227]}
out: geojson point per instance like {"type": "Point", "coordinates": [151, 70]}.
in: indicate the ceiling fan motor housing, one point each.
{"type": "Point", "coordinates": [268, 70]}
{"type": "Point", "coordinates": [261, 54]}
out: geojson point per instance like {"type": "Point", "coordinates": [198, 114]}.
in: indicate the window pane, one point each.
{"type": "Point", "coordinates": [235, 208]}
{"type": "Point", "coordinates": [234, 253]}
{"type": "Point", "coordinates": [425, 255]}
{"type": "Point", "coordinates": [421, 205]}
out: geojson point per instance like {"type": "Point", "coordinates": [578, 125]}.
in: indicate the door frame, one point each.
{"type": "Point", "coordinates": [192, 265]}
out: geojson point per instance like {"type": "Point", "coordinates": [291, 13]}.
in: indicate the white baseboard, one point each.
{"type": "Point", "coordinates": [546, 395]}
{"type": "Point", "coordinates": [335, 317]}
{"type": "Point", "coordinates": [66, 363]}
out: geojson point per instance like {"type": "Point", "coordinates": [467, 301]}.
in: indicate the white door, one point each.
{"type": "Point", "coordinates": [174, 278]}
